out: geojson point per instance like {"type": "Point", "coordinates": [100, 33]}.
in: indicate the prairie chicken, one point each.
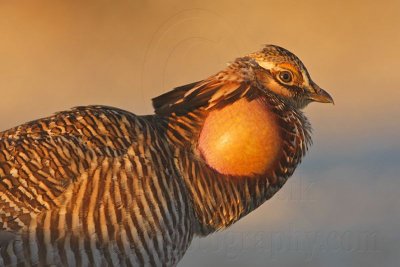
{"type": "Point", "coordinates": [100, 186]}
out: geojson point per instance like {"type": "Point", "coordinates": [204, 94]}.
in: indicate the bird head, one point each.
{"type": "Point", "coordinates": [287, 77]}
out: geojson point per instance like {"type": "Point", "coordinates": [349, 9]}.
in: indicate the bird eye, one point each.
{"type": "Point", "coordinates": [285, 76]}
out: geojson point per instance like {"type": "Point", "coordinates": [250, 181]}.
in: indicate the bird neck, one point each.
{"type": "Point", "coordinates": [233, 159]}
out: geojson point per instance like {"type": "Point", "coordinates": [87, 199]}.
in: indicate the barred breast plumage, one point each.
{"type": "Point", "coordinates": [99, 186]}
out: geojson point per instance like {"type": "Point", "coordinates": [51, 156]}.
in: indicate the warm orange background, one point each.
{"type": "Point", "coordinates": [58, 54]}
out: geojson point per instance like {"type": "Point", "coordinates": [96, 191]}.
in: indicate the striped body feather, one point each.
{"type": "Point", "coordinates": [94, 186]}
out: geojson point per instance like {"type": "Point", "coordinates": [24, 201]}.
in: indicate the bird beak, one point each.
{"type": "Point", "coordinates": [320, 95]}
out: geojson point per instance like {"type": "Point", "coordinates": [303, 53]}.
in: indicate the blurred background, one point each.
{"type": "Point", "coordinates": [342, 206]}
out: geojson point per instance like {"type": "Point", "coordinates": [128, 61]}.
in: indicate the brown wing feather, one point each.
{"type": "Point", "coordinates": [163, 102]}
{"type": "Point", "coordinates": [39, 159]}
{"type": "Point", "coordinates": [225, 87]}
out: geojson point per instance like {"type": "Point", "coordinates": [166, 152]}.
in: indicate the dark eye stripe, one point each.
{"type": "Point", "coordinates": [293, 88]}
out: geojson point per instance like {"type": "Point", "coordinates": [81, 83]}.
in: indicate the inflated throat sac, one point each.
{"type": "Point", "coordinates": [241, 139]}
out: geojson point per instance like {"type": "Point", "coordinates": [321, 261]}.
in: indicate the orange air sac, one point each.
{"type": "Point", "coordinates": [241, 139]}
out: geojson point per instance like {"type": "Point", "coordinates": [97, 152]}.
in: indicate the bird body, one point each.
{"type": "Point", "coordinates": [85, 188]}
{"type": "Point", "coordinates": [99, 186]}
